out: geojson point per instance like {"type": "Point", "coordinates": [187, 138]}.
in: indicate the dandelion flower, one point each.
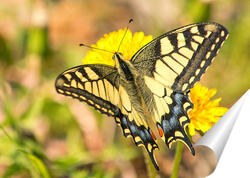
{"type": "Point", "coordinates": [205, 112]}
{"type": "Point", "coordinates": [130, 45]}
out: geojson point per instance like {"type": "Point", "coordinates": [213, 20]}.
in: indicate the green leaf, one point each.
{"type": "Point", "coordinates": [35, 161]}
{"type": "Point", "coordinates": [38, 164]}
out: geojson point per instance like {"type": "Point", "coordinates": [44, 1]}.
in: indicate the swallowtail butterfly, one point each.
{"type": "Point", "coordinates": [154, 82]}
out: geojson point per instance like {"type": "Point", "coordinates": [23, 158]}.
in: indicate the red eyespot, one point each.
{"type": "Point", "coordinates": [160, 132]}
{"type": "Point", "coordinates": [152, 134]}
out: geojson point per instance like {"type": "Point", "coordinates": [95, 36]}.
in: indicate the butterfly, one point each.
{"type": "Point", "coordinates": [153, 84]}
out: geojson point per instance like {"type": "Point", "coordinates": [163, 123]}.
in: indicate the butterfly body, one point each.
{"type": "Point", "coordinates": [154, 83]}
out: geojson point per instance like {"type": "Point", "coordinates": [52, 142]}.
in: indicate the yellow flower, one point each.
{"type": "Point", "coordinates": [205, 113]}
{"type": "Point", "coordinates": [130, 45]}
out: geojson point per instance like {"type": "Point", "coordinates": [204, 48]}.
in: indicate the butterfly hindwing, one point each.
{"type": "Point", "coordinates": [173, 123]}
{"type": "Point", "coordinates": [141, 134]}
{"type": "Point", "coordinates": [168, 109]}
{"type": "Point", "coordinates": [179, 58]}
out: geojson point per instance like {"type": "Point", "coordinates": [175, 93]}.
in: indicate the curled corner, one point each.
{"type": "Point", "coordinates": [225, 147]}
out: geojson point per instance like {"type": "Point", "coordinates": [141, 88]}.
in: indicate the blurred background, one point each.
{"type": "Point", "coordinates": [44, 132]}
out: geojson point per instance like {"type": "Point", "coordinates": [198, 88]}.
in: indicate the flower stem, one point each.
{"type": "Point", "coordinates": [177, 160]}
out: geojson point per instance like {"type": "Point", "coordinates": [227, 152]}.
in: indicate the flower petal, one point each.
{"type": "Point", "coordinates": [205, 112]}
{"type": "Point", "coordinates": [111, 42]}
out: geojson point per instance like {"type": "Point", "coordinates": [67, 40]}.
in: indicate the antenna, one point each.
{"type": "Point", "coordinates": [96, 48]}
{"type": "Point", "coordinates": [131, 20]}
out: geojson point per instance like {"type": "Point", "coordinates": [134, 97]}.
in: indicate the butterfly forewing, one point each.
{"type": "Point", "coordinates": [96, 85]}
{"type": "Point", "coordinates": [179, 58]}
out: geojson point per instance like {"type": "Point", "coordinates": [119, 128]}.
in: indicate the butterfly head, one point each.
{"type": "Point", "coordinates": [117, 56]}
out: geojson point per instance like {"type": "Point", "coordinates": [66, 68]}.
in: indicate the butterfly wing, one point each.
{"type": "Point", "coordinates": [168, 109]}
{"type": "Point", "coordinates": [100, 86]}
{"type": "Point", "coordinates": [179, 58]}
{"type": "Point", "coordinates": [134, 125]}
{"type": "Point", "coordinates": [97, 85]}
{"type": "Point", "coordinates": [169, 66]}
